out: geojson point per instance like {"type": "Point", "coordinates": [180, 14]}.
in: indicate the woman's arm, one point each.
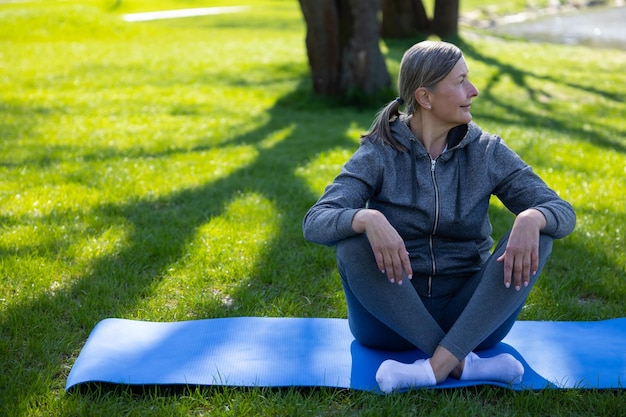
{"type": "Point", "coordinates": [388, 247]}
{"type": "Point", "coordinates": [539, 210]}
{"type": "Point", "coordinates": [330, 219]}
{"type": "Point", "coordinates": [521, 256]}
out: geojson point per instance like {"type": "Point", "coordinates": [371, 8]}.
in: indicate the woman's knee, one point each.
{"type": "Point", "coordinates": [354, 257]}
{"type": "Point", "coordinates": [353, 248]}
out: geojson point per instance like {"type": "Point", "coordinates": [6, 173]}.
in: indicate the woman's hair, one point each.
{"type": "Point", "coordinates": [423, 65]}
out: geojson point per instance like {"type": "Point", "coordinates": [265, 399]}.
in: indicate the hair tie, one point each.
{"type": "Point", "coordinates": [399, 100]}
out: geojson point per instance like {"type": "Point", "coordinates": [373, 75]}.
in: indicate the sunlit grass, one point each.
{"type": "Point", "coordinates": [160, 171]}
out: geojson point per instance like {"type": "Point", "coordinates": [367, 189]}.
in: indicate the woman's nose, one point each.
{"type": "Point", "coordinates": [473, 90]}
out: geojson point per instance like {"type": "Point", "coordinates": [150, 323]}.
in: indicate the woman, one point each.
{"type": "Point", "coordinates": [411, 207]}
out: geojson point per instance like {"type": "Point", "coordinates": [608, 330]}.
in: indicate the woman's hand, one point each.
{"type": "Point", "coordinates": [389, 249]}
{"type": "Point", "coordinates": [521, 256]}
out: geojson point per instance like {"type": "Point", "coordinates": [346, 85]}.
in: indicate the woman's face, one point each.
{"type": "Point", "coordinates": [451, 99]}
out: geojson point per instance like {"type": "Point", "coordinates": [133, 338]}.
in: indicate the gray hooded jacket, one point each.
{"type": "Point", "coordinates": [439, 207]}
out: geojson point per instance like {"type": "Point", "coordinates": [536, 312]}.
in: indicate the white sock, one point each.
{"type": "Point", "coordinates": [503, 367]}
{"type": "Point", "coordinates": [397, 375]}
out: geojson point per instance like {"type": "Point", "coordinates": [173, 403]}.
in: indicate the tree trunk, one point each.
{"type": "Point", "coordinates": [364, 67]}
{"type": "Point", "coordinates": [404, 18]}
{"type": "Point", "coordinates": [343, 46]}
{"type": "Point", "coordinates": [322, 44]}
{"type": "Point", "coordinates": [446, 19]}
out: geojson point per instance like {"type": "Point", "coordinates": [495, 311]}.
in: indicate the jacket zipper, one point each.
{"type": "Point", "coordinates": [433, 162]}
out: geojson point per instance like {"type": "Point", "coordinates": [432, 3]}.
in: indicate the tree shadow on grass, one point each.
{"type": "Point", "coordinates": [522, 77]}
{"type": "Point", "coordinates": [159, 231]}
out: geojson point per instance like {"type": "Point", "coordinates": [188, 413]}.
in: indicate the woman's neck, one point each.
{"type": "Point", "coordinates": [434, 139]}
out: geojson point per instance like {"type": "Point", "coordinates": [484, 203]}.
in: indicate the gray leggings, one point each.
{"type": "Point", "coordinates": [462, 314]}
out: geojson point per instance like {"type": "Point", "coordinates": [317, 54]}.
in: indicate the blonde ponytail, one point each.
{"type": "Point", "coordinates": [380, 127]}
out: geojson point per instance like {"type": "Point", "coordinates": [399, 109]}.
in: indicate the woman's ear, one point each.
{"type": "Point", "coordinates": [422, 97]}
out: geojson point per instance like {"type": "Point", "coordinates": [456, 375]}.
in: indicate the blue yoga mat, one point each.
{"type": "Point", "coordinates": [314, 352]}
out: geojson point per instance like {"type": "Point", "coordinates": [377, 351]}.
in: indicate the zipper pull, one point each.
{"type": "Point", "coordinates": [432, 165]}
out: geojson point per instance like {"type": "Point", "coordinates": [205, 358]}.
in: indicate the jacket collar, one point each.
{"type": "Point", "coordinates": [458, 136]}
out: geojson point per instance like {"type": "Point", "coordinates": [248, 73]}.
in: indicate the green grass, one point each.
{"type": "Point", "coordinates": [160, 171]}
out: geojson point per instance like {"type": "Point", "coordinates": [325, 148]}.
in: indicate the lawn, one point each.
{"type": "Point", "coordinates": [160, 171]}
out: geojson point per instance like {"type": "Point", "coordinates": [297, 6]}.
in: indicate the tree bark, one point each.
{"type": "Point", "coordinates": [404, 18]}
{"type": "Point", "coordinates": [446, 19]}
{"type": "Point", "coordinates": [342, 43]}
{"type": "Point", "coordinates": [407, 18]}
{"type": "Point", "coordinates": [364, 67]}
{"type": "Point", "coordinates": [322, 44]}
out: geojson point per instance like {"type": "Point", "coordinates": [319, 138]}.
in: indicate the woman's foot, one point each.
{"type": "Point", "coordinates": [503, 368]}
{"type": "Point", "coordinates": [392, 375]}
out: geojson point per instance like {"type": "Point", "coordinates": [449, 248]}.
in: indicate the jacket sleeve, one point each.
{"type": "Point", "coordinates": [330, 219]}
{"type": "Point", "coordinates": [520, 188]}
